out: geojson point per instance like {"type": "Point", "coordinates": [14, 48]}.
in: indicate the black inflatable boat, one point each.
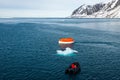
{"type": "Point", "coordinates": [74, 68]}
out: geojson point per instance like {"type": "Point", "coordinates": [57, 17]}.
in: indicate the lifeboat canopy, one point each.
{"type": "Point", "coordinates": [66, 41]}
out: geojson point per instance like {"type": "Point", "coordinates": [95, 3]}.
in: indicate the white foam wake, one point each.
{"type": "Point", "coordinates": [67, 51]}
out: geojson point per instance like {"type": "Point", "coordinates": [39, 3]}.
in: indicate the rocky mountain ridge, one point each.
{"type": "Point", "coordinates": [100, 10]}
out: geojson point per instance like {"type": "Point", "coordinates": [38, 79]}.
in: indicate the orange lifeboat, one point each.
{"type": "Point", "coordinates": [66, 42]}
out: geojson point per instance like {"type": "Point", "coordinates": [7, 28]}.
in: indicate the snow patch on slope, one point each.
{"type": "Point", "coordinates": [101, 10]}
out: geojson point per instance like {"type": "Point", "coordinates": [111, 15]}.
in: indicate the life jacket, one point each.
{"type": "Point", "coordinates": [73, 66]}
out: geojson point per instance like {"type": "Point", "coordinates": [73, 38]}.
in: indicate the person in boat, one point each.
{"type": "Point", "coordinates": [73, 66]}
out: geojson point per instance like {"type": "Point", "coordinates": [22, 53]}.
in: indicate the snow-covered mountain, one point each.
{"type": "Point", "coordinates": [100, 10]}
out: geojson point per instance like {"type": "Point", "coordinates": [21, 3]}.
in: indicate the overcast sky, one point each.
{"type": "Point", "coordinates": [41, 8]}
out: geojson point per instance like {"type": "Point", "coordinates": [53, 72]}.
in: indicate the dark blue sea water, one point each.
{"type": "Point", "coordinates": [28, 48]}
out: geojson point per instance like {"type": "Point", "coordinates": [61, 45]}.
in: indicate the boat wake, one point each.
{"type": "Point", "coordinates": [67, 51]}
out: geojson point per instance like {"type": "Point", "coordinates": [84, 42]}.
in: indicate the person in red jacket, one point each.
{"type": "Point", "coordinates": [73, 66]}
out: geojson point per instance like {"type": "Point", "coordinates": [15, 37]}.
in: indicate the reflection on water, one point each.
{"type": "Point", "coordinates": [98, 24]}
{"type": "Point", "coordinates": [105, 26]}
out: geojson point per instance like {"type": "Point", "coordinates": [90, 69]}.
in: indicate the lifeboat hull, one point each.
{"type": "Point", "coordinates": [63, 46]}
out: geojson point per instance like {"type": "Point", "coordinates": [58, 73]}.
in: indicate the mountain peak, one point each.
{"type": "Point", "coordinates": [100, 10]}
